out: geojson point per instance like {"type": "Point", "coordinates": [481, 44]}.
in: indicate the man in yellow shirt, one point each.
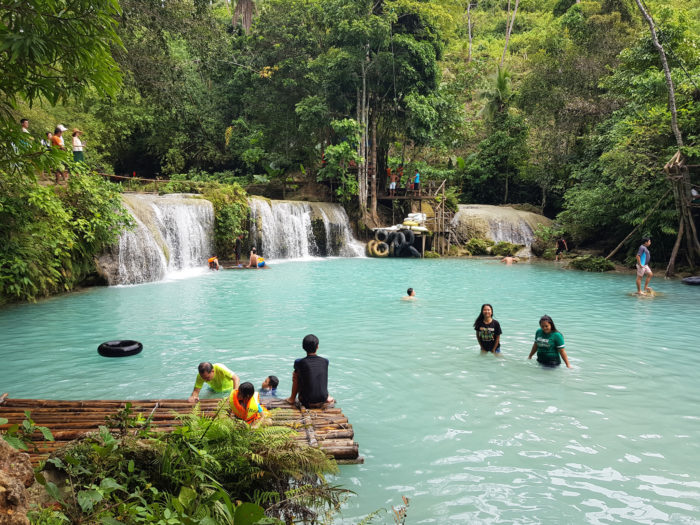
{"type": "Point", "coordinates": [219, 378]}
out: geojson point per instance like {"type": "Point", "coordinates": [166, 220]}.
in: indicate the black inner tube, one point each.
{"type": "Point", "coordinates": [119, 348]}
{"type": "Point", "coordinates": [692, 280]}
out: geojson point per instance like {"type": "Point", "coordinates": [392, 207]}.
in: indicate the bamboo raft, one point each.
{"type": "Point", "coordinates": [326, 428]}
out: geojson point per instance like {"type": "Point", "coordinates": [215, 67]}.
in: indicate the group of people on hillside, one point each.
{"type": "Point", "coordinates": [309, 384]}
{"type": "Point", "coordinates": [56, 140]}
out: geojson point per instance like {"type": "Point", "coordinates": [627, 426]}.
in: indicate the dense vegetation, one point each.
{"type": "Point", "coordinates": [556, 103]}
{"type": "Point", "coordinates": [201, 472]}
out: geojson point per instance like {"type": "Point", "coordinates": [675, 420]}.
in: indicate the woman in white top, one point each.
{"type": "Point", "coordinates": [78, 155]}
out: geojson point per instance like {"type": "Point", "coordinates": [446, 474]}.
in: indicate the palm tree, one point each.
{"type": "Point", "coordinates": [498, 95]}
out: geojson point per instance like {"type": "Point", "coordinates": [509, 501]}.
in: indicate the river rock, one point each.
{"type": "Point", "coordinates": [16, 475]}
{"type": "Point", "coordinates": [497, 223]}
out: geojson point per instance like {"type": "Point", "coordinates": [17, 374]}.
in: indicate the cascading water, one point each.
{"type": "Point", "coordinates": [498, 223]}
{"type": "Point", "coordinates": [294, 229]}
{"type": "Point", "coordinates": [172, 233]}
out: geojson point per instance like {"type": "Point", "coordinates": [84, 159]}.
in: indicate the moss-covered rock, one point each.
{"type": "Point", "coordinates": [477, 246]}
{"type": "Point", "coordinates": [432, 255]}
{"type": "Point", "coordinates": [506, 248]}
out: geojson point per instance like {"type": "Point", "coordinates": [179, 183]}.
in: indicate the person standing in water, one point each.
{"type": "Point", "coordinates": [643, 257]}
{"type": "Point", "coordinates": [217, 376]}
{"type": "Point", "coordinates": [549, 344]}
{"type": "Point", "coordinates": [488, 331]}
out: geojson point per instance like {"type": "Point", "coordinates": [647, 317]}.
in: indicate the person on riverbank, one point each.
{"type": "Point", "coordinates": [58, 143]}
{"type": "Point", "coordinates": [78, 154]}
{"type": "Point", "coordinates": [561, 247]}
{"type": "Point", "coordinates": [217, 376]}
{"type": "Point", "coordinates": [24, 125]}
{"type": "Point", "coordinates": [245, 404]}
{"type": "Point", "coordinates": [549, 344]}
{"type": "Point", "coordinates": [488, 331]}
{"type": "Point", "coordinates": [269, 386]}
{"type": "Point", "coordinates": [643, 257]}
{"type": "Point", "coordinates": [310, 377]}
{"type": "Point", "coordinates": [214, 263]}
{"type": "Point", "coordinates": [410, 295]}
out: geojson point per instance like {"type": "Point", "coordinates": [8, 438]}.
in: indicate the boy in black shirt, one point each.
{"type": "Point", "coordinates": [310, 379]}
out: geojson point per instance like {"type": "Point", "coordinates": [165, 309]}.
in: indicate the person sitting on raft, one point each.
{"type": "Point", "coordinates": [310, 378]}
{"type": "Point", "coordinates": [245, 404]}
{"type": "Point", "coordinates": [269, 386]}
{"type": "Point", "coordinates": [213, 263]}
{"type": "Point", "coordinates": [549, 344]}
{"type": "Point", "coordinates": [255, 260]}
{"type": "Point", "coordinates": [219, 378]}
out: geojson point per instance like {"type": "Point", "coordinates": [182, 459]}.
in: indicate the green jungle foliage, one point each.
{"type": "Point", "coordinates": [50, 235]}
{"type": "Point", "coordinates": [590, 263]}
{"type": "Point", "coordinates": [198, 473]}
{"type": "Point", "coordinates": [478, 246]}
{"type": "Point", "coordinates": [573, 118]}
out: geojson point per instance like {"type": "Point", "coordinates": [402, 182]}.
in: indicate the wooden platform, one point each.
{"type": "Point", "coordinates": [68, 420]}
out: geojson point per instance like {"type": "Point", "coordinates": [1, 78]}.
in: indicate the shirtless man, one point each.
{"type": "Point", "coordinates": [254, 262]}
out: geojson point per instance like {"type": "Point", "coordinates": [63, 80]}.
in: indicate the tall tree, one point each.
{"type": "Point", "coordinates": [678, 173]}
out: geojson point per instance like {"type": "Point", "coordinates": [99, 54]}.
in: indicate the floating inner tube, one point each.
{"type": "Point", "coordinates": [119, 348]}
{"type": "Point", "coordinates": [381, 235]}
{"type": "Point", "coordinates": [692, 280]}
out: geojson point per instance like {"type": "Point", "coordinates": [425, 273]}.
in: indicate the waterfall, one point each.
{"type": "Point", "coordinates": [172, 233]}
{"type": "Point", "coordinates": [498, 223]}
{"type": "Point", "coordinates": [295, 229]}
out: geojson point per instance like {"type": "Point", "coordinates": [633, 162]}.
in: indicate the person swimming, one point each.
{"type": "Point", "coordinates": [410, 295]}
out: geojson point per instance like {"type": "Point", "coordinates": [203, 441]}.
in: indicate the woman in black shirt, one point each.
{"type": "Point", "coordinates": [488, 331]}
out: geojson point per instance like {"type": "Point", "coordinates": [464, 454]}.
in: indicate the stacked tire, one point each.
{"type": "Point", "coordinates": [392, 244]}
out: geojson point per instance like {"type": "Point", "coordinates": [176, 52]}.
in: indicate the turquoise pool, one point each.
{"type": "Point", "coordinates": [467, 438]}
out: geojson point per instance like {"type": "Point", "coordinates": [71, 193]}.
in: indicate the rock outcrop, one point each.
{"type": "Point", "coordinates": [16, 475]}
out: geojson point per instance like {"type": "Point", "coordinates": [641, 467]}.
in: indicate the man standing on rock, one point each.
{"type": "Point", "coordinates": [643, 258]}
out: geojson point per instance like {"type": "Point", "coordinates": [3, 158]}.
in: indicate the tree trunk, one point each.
{"type": "Point", "coordinates": [244, 12]}
{"type": "Point", "coordinates": [509, 29]}
{"type": "Point", "coordinates": [681, 179]}
{"type": "Point", "coordinates": [469, 30]}
{"type": "Point", "coordinates": [373, 156]}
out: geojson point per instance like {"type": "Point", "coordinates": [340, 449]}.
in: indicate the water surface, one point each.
{"type": "Point", "coordinates": [467, 438]}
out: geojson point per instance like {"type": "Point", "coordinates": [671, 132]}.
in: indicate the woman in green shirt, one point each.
{"type": "Point", "coordinates": [549, 344]}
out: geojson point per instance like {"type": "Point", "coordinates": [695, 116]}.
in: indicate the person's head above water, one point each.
{"type": "Point", "coordinates": [206, 370]}
{"type": "Point", "coordinates": [271, 382]}
{"type": "Point", "coordinates": [310, 344]}
{"type": "Point", "coordinates": [410, 292]}
{"type": "Point", "coordinates": [485, 309]}
{"type": "Point", "coordinates": [547, 324]}
{"type": "Point", "coordinates": [245, 391]}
